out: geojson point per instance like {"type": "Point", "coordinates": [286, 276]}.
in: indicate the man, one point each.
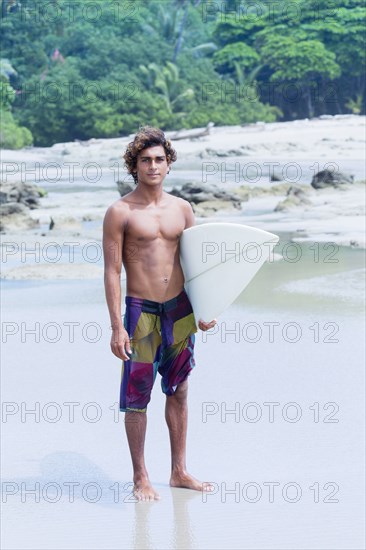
{"type": "Point", "coordinates": [142, 230]}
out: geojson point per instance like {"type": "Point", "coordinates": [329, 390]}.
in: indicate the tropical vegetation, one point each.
{"type": "Point", "coordinates": [76, 70]}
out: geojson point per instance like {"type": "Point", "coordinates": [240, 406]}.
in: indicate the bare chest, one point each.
{"type": "Point", "coordinates": [149, 225]}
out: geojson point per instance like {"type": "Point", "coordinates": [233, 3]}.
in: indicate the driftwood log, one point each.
{"type": "Point", "coordinates": [192, 134]}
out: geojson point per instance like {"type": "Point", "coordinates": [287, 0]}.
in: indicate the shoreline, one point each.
{"type": "Point", "coordinates": [326, 215]}
{"type": "Point", "coordinates": [40, 261]}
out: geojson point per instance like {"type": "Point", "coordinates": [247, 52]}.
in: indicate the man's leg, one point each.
{"type": "Point", "coordinates": [176, 414]}
{"type": "Point", "coordinates": [136, 429]}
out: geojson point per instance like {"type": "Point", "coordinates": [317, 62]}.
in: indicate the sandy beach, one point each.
{"type": "Point", "coordinates": [276, 401]}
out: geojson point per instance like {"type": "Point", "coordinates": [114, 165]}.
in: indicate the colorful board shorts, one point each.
{"type": "Point", "coordinates": [162, 340]}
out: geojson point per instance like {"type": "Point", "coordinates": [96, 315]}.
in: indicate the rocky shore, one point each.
{"type": "Point", "coordinates": [16, 199]}
{"type": "Point", "coordinates": [324, 205]}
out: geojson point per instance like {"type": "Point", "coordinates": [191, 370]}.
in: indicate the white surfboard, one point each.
{"type": "Point", "coordinates": [219, 260]}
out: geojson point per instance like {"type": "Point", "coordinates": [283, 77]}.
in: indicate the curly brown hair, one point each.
{"type": "Point", "coordinates": [147, 136]}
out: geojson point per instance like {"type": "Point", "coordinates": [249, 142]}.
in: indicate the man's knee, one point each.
{"type": "Point", "coordinates": [181, 392]}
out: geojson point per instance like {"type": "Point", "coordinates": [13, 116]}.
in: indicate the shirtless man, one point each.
{"type": "Point", "coordinates": [157, 333]}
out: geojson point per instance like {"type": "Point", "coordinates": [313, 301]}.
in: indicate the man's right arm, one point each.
{"type": "Point", "coordinates": [113, 234]}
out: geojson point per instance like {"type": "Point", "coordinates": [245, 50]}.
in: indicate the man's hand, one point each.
{"type": "Point", "coordinates": [206, 326]}
{"type": "Point", "coordinates": [120, 343]}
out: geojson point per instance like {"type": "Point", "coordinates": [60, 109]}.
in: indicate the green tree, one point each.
{"type": "Point", "coordinates": [300, 62]}
{"type": "Point", "coordinates": [12, 136]}
{"type": "Point", "coordinates": [317, 47]}
{"type": "Point", "coordinates": [80, 78]}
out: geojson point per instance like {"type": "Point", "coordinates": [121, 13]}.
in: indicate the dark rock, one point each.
{"type": "Point", "coordinates": [327, 178]}
{"type": "Point", "coordinates": [3, 197]}
{"type": "Point", "coordinates": [295, 197]}
{"type": "Point", "coordinates": [12, 208]}
{"type": "Point", "coordinates": [276, 177]}
{"type": "Point", "coordinates": [287, 204]}
{"type": "Point", "coordinates": [14, 215]}
{"type": "Point", "coordinates": [197, 193]}
{"type": "Point", "coordinates": [125, 187]}
{"type": "Point", "coordinates": [24, 193]}
{"type": "Point", "coordinates": [294, 191]}
{"type": "Point", "coordinates": [30, 201]}
{"type": "Point", "coordinates": [15, 201]}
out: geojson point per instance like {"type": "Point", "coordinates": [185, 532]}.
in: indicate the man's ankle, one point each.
{"type": "Point", "coordinates": [140, 476]}
{"type": "Point", "coordinates": [178, 470]}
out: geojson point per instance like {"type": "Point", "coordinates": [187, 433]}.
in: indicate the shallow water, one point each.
{"type": "Point", "coordinates": [276, 418]}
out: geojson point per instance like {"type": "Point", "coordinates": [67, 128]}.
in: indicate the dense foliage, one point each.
{"type": "Point", "coordinates": [12, 136]}
{"type": "Point", "coordinates": [103, 68]}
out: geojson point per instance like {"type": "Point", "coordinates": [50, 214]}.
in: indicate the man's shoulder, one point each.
{"type": "Point", "coordinates": [120, 205]}
{"type": "Point", "coordinates": [182, 203]}
{"type": "Point", "coordinates": [118, 209]}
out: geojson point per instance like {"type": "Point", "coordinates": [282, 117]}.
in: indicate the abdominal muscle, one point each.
{"type": "Point", "coordinates": [153, 269]}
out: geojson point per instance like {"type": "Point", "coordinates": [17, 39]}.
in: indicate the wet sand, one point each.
{"type": "Point", "coordinates": [276, 420]}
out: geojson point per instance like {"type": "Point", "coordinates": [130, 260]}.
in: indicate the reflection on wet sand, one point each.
{"type": "Point", "coordinates": [141, 529]}
{"type": "Point", "coordinates": [183, 532]}
{"type": "Point", "coordinates": [181, 535]}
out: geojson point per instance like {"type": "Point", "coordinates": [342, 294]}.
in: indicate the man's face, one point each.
{"type": "Point", "coordinates": [152, 165]}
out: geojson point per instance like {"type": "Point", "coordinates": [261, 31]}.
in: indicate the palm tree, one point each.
{"type": "Point", "coordinates": [242, 76]}
{"type": "Point", "coordinates": [164, 23]}
{"type": "Point", "coordinates": [167, 83]}
{"type": "Point", "coordinates": [184, 5]}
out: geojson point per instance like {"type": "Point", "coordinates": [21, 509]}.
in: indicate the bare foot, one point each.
{"type": "Point", "coordinates": [144, 491]}
{"type": "Point", "coordinates": [186, 481]}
